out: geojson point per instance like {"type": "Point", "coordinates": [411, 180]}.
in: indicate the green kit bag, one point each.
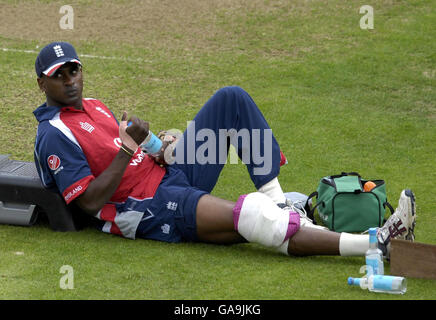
{"type": "Point", "coordinates": [344, 206]}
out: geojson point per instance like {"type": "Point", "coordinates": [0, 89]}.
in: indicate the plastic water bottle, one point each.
{"type": "Point", "coordinates": [151, 144]}
{"type": "Point", "coordinates": [374, 256]}
{"type": "Point", "coordinates": [381, 283]}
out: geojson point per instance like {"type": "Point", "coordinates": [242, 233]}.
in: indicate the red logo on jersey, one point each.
{"type": "Point", "coordinates": [53, 162]}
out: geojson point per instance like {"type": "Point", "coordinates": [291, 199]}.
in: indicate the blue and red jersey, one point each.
{"type": "Point", "coordinates": [73, 147]}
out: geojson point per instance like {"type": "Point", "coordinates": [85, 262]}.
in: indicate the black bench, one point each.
{"type": "Point", "coordinates": [23, 198]}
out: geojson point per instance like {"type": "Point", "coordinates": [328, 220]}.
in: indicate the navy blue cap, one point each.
{"type": "Point", "coordinates": [53, 56]}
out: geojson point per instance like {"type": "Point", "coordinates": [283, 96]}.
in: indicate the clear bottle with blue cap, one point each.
{"type": "Point", "coordinates": [381, 283]}
{"type": "Point", "coordinates": [374, 256]}
{"type": "Point", "coordinates": [151, 143]}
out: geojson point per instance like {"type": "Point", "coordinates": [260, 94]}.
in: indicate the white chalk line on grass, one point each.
{"type": "Point", "coordinates": [82, 55]}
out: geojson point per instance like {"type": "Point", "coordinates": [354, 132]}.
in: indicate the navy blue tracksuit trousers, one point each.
{"type": "Point", "coordinates": [229, 116]}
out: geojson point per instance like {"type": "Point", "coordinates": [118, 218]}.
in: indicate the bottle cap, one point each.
{"type": "Point", "coordinates": [353, 281]}
{"type": "Point", "coordinates": [372, 231]}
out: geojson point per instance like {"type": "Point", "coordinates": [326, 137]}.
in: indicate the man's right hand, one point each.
{"type": "Point", "coordinates": [133, 135]}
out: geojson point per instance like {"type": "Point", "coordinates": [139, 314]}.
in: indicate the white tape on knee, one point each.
{"type": "Point", "coordinates": [258, 219]}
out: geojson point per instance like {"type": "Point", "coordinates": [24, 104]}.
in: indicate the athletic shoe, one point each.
{"type": "Point", "coordinates": [298, 207]}
{"type": "Point", "coordinates": [401, 224]}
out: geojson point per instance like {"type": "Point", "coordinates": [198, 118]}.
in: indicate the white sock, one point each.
{"type": "Point", "coordinates": [353, 244]}
{"type": "Point", "coordinates": [273, 190]}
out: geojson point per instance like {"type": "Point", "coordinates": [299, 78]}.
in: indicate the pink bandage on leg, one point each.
{"type": "Point", "coordinates": [237, 210]}
{"type": "Point", "coordinates": [294, 224]}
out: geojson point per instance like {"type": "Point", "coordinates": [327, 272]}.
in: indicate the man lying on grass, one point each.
{"type": "Point", "coordinates": [86, 155]}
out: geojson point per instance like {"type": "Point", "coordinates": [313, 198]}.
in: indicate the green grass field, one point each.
{"type": "Point", "coordinates": [338, 98]}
